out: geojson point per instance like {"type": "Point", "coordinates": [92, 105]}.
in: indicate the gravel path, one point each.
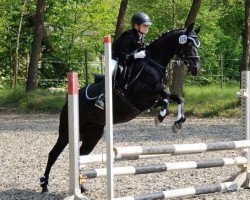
{"type": "Point", "coordinates": [25, 141]}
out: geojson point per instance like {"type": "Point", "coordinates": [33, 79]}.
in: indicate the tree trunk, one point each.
{"type": "Point", "coordinates": [174, 13]}
{"type": "Point", "coordinates": [193, 12]}
{"type": "Point", "coordinates": [120, 18]}
{"type": "Point", "coordinates": [16, 59]}
{"type": "Point", "coordinates": [178, 69]}
{"type": "Point", "coordinates": [36, 46]}
{"type": "Point", "coordinates": [177, 77]}
{"type": "Point", "coordinates": [246, 38]}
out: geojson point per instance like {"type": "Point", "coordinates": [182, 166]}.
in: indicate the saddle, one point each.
{"type": "Point", "coordinates": [118, 76]}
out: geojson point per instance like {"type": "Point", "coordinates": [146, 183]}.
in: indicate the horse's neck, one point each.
{"type": "Point", "coordinates": [163, 52]}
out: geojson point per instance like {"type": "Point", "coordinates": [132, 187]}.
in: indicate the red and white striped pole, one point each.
{"type": "Point", "coordinates": [73, 124]}
{"type": "Point", "coordinates": [109, 117]}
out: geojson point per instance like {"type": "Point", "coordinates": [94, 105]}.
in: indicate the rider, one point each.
{"type": "Point", "coordinates": [123, 48]}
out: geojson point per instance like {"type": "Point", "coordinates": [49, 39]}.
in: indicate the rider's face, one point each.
{"type": "Point", "coordinates": [142, 28]}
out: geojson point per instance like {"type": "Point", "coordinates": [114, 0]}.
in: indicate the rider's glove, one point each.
{"type": "Point", "coordinates": [141, 54]}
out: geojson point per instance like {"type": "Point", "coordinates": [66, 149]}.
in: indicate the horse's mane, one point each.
{"type": "Point", "coordinates": [164, 35]}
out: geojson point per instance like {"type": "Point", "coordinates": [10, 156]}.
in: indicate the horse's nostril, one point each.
{"type": "Point", "coordinates": [194, 71]}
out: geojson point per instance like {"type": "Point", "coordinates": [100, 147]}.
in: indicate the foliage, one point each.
{"type": "Point", "coordinates": [73, 26]}
{"type": "Point", "coordinates": [83, 24]}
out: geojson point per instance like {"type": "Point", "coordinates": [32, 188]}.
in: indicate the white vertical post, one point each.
{"type": "Point", "coordinates": [73, 125]}
{"type": "Point", "coordinates": [109, 117]}
{"type": "Point", "coordinates": [245, 107]}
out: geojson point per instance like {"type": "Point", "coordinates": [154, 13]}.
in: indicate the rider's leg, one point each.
{"type": "Point", "coordinates": [99, 103]}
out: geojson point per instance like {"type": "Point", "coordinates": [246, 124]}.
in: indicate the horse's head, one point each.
{"type": "Point", "coordinates": [181, 42]}
{"type": "Point", "coordinates": [188, 49]}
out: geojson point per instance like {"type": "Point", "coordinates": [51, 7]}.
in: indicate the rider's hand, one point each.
{"type": "Point", "coordinates": [141, 54]}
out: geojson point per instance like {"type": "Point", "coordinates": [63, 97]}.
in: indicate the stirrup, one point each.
{"type": "Point", "coordinates": [99, 103]}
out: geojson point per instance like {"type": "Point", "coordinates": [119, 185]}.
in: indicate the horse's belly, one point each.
{"type": "Point", "coordinates": [122, 113]}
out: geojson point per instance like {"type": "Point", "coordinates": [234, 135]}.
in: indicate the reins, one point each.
{"type": "Point", "coordinates": [134, 79]}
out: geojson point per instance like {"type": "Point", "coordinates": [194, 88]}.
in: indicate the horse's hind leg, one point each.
{"type": "Point", "coordinates": [90, 134]}
{"type": "Point", "coordinates": [61, 143]}
{"type": "Point", "coordinates": [53, 155]}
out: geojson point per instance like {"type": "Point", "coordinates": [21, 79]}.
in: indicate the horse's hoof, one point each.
{"type": "Point", "coordinates": [44, 184]}
{"type": "Point", "coordinates": [157, 122]}
{"type": "Point", "coordinates": [183, 119]}
{"type": "Point", "coordinates": [44, 190]}
{"type": "Point", "coordinates": [176, 127]}
{"type": "Point", "coordinates": [84, 189]}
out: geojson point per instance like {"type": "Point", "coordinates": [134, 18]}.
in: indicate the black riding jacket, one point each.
{"type": "Point", "coordinates": [124, 46]}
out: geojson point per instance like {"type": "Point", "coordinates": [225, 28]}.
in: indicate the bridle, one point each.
{"type": "Point", "coordinates": [181, 48]}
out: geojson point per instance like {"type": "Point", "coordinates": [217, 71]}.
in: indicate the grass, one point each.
{"type": "Point", "coordinates": [200, 101]}
{"type": "Point", "coordinates": [210, 101]}
{"type": "Point", "coordinates": [38, 101]}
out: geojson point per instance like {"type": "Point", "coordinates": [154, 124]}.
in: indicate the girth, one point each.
{"type": "Point", "coordinates": [126, 101]}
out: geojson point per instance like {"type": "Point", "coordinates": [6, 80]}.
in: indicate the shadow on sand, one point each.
{"type": "Point", "coordinates": [29, 195]}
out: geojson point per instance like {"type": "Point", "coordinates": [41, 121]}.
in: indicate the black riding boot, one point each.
{"type": "Point", "coordinates": [99, 103]}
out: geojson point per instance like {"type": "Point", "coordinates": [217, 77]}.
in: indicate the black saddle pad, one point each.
{"type": "Point", "coordinates": [98, 77]}
{"type": "Point", "coordinates": [92, 91]}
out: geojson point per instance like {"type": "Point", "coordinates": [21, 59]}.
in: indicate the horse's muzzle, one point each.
{"type": "Point", "coordinates": [194, 71]}
{"type": "Point", "coordinates": [193, 67]}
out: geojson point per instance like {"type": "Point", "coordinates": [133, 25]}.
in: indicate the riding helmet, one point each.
{"type": "Point", "coordinates": [141, 18]}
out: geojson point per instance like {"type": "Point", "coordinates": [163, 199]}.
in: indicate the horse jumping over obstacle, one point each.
{"type": "Point", "coordinates": [147, 77]}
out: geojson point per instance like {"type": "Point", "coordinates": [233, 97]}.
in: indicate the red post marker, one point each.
{"type": "Point", "coordinates": [72, 83]}
{"type": "Point", "coordinates": [107, 39]}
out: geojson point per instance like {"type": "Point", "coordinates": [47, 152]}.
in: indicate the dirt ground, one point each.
{"type": "Point", "coordinates": [25, 141]}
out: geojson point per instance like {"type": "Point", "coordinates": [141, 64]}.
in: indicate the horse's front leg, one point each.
{"type": "Point", "coordinates": [165, 95]}
{"type": "Point", "coordinates": [180, 118]}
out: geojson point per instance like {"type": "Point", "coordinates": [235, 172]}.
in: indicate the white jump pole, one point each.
{"type": "Point", "coordinates": [73, 124]}
{"type": "Point", "coordinates": [245, 115]}
{"type": "Point", "coordinates": [245, 106]}
{"type": "Point", "coordinates": [109, 117]}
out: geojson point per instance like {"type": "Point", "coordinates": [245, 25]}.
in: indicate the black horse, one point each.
{"type": "Point", "coordinates": [140, 89]}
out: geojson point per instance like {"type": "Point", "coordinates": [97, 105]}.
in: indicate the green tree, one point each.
{"type": "Point", "coordinates": [73, 26]}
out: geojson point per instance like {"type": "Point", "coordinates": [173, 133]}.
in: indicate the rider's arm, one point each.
{"type": "Point", "coordinates": [128, 45]}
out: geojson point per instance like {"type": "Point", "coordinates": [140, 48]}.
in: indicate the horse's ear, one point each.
{"type": "Point", "coordinates": [190, 28]}
{"type": "Point", "coordinates": [197, 30]}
